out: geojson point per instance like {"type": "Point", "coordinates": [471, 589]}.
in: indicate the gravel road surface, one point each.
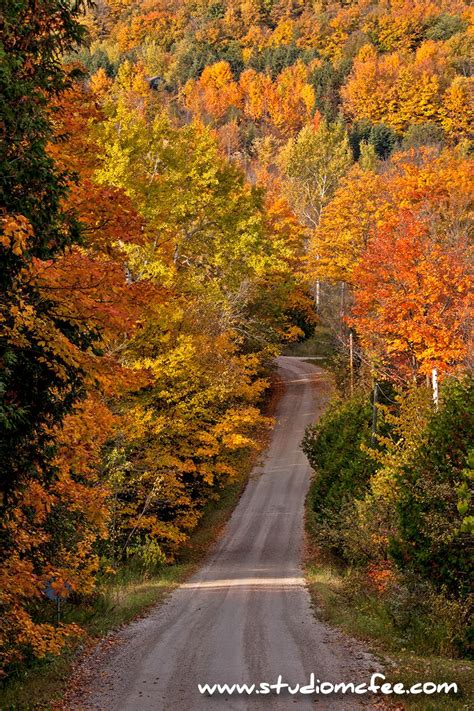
{"type": "Point", "coordinates": [245, 617]}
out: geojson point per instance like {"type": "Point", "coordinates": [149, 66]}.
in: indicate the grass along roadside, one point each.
{"type": "Point", "coordinates": [318, 349]}
{"type": "Point", "coordinates": [129, 594]}
{"type": "Point", "coordinates": [364, 616]}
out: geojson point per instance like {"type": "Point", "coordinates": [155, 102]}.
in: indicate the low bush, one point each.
{"type": "Point", "coordinates": [398, 515]}
{"type": "Point", "coordinates": [333, 448]}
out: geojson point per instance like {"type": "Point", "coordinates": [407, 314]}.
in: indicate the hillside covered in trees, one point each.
{"type": "Point", "coordinates": [187, 187]}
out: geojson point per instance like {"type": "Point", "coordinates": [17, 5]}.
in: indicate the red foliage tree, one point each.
{"type": "Point", "coordinates": [412, 300]}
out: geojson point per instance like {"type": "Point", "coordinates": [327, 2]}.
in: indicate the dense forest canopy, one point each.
{"type": "Point", "coordinates": [186, 188]}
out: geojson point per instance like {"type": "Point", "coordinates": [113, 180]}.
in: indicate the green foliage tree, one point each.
{"type": "Point", "coordinates": [432, 539]}
{"type": "Point", "coordinates": [444, 27]}
{"type": "Point", "coordinates": [333, 448]}
{"type": "Point", "coordinates": [274, 59]}
{"type": "Point", "coordinates": [423, 134]}
{"type": "Point", "coordinates": [383, 139]}
{"type": "Point", "coordinates": [313, 164]}
{"type": "Point", "coordinates": [35, 226]}
{"type": "Point", "coordinates": [327, 80]}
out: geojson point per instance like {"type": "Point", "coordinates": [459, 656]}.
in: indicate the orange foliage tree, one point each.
{"type": "Point", "coordinates": [215, 93]}
{"type": "Point", "coordinates": [436, 187]}
{"type": "Point", "coordinates": [59, 508]}
{"type": "Point", "coordinates": [398, 89]}
{"type": "Point", "coordinates": [412, 301]}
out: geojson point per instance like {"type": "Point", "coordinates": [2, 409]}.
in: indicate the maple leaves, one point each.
{"type": "Point", "coordinates": [412, 302]}
{"type": "Point", "coordinates": [65, 299]}
{"type": "Point", "coordinates": [435, 186]}
{"type": "Point", "coordinates": [399, 237]}
{"type": "Point", "coordinates": [346, 224]}
{"type": "Point", "coordinates": [285, 103]}
{"type": "Point", "coordinates": [174, 307]}
{"type": "Point", "coordinates": [293, 99]}
{"type": "Point", "coordinates": [16, 233]}
{"type": "Point", "coordinates": [216, 93]}
{"type": "Point", "coordinates": [457, 110]}
{"type": "Point", "coordinates": [184, 434]}
{"type": "Point", "coordinates": [51, 532]}
{"type": "Point", "coordinates": [148, 281]}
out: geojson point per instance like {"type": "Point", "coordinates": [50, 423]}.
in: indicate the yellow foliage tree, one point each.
{"type": "Point", "coordinates": [457, 110]}
{"type": "Point", "coordinates": [398, 89]}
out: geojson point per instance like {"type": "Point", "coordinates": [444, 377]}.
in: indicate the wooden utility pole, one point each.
{"type": "Point", "coordinates": [351, 360]}
{"type": "Point", "coordinates": [434, 381]}
{"type": "Point", "coordinates": [374, 414]}
{"type": "Point", "coordinates": [342, 304]}
{"type": "Point", "coordinates": [318, 289]}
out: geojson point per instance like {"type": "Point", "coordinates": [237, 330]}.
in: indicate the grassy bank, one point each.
{"type": "Point", "coordinates": [128, 595]}
{"type": "Point", "coordinates": [319, 348]}
{"type": "Point", "coordinates": [364, 615]}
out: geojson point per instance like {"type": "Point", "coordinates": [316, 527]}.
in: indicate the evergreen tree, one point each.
{"type": "Point", "coordinates": [38, 384]}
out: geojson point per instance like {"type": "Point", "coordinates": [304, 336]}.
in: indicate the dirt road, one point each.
{"type": "Point", "coordinates": [245, 616]}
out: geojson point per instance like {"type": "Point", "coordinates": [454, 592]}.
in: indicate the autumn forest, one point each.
{"type": "Point", "coordinates": [188, 189]}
